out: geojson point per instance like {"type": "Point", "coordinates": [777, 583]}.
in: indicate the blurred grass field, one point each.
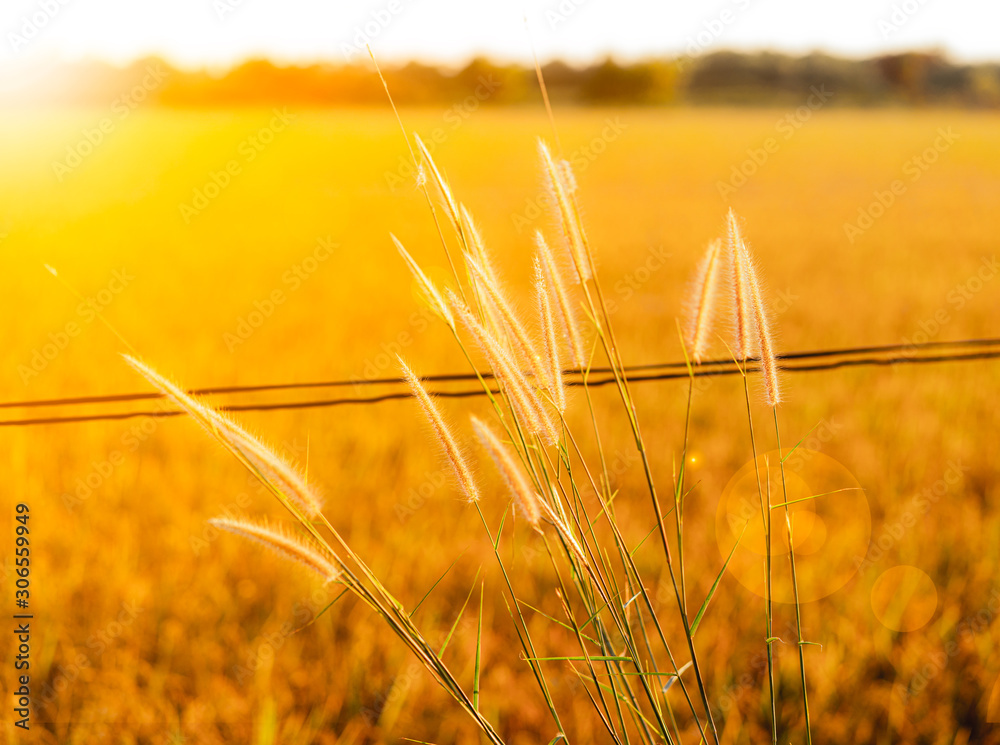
{"type": "Point", "coordinates": [148, 628]}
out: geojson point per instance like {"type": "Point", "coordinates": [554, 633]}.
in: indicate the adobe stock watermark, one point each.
{"type": "Point", "coordinates": [292, 280]}
{"type": "Point", "coordinates": [137, 433]}
{"type": "Point", "coordinates": [384, 364]}
{"type": "Point", "coordinates": [780, 303]}
{"type": "Point", "coordinates": [454, 117]}
{"type": "Point", "coordinates": [559, 13]}
{"type": "Point", "coordinates": [101, 471]}
{"type": "Point", "coordinates": [901, 14]}
{"type": "Point", "coordinates": [370, 29]}
{"type": "Point", "coordinates": [87, 312]}
{"type": "Point", "coordinates": [919, 506]}
{"type": "Point", "coordinates": [122, 106]}
{"type": "Point", "coordinates": [223, 8]}
{"type": "Point", "coordinates": [580, 159]}
{"type": "Point", "coordinates": [234, 510]}
{"type": "Point", "coordinates": [712, 29]}
{"type": "Point", "coordinates": [913, 169]}
{"type": "Point", "coordinates": [304, 612]}
{"type": "Point", "coordinates": [248, 148]}
{"type": "Point", "coordinates": [36, 21]}
{"type": "Point", "coordinates": [748, 508]}
{"type": "Point", "coordinates": [617, 467]}
{"type": "Point", "coordinates": [62, 676]}
{"type": "Point", "coordinates": [786, 127]}
{"type": "Point", "coordinates": [957, 298]}
{"type": "Point", "coordinates": [417, 496]}
{"type": "Point", "coordinates": [395, 695]}
{"type": "Point", "coordinates": [632, 282]}
{"type": "Point", "coordinates": [968, 629]}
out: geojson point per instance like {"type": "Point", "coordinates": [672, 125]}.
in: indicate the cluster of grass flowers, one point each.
{"type": "Point", "coordinates": [640, 685]}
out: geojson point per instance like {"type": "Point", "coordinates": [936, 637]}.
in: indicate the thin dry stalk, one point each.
{"type": "Point", "coordinates": [512, 473]}
{"type": "Point", "coordinates": [456, 457]}
{"type": "Point", "coordinates": [284, 543]}
{"type": "Point", "coordinates": [704, 292]}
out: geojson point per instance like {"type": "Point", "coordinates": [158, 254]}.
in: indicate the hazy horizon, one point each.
{"type": "Point", "coordinates": [218, 34]}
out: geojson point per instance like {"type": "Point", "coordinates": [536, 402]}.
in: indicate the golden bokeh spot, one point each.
{"type": "Point", "coordinates": [829, 532]}
{"type": "Point", "coordinates": [904, 598]}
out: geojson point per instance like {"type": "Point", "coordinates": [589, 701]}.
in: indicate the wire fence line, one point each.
{"type": "Point", "coordinates": [964, 350]}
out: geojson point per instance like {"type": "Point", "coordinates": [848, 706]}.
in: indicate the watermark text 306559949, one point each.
{"type": "Point", "coordinates": [22, 618]}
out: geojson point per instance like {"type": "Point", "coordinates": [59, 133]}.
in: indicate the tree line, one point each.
{"type": "Point", "coordinates": [719, 78]}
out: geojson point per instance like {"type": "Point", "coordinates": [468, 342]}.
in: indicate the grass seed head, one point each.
{"type": "Point", "coordinates": [550, 339]}
{"type": "Point", "coordinates": [261, 460]}
{"type": "Point", "coordinates": [288, 545]}
{"type": "Point", "coordinates": [571, 328]}
{"type": "Point", "coordinates": [562, 195]}
{"type": "Point", "coordinates": [442, 186]}
{"type": "Point", "coordinates": [525, 355]}
{"type": "Point", "coordinates": [742, 318]}
{"type": "Point", "coordinates": [512, 473]}
{"type": "Point", "coordinates": [704, 292]}
{"type": "Point", "coordinates": [768, 361]}
{"type": "Point", "coordinates": [527, 406]}
{"type": "Point", "coordinates": [453, 452]}
{"type": "Point", "coordinates": [431, 294]}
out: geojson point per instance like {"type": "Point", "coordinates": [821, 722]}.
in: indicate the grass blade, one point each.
{"type": "Point", "coordinates": [715, 585]}
{"type": "Point", "coordinates": [815, 496]}
{"type": "Point", "coordinates": [459, 616]}
{"type": "Point", "coordinates": [436, 584]}
{"type": "Point", "coordinates": [479, 652]}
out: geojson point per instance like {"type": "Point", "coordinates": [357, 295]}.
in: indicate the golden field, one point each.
{"type": "Point", "coordinates": [150, 628]}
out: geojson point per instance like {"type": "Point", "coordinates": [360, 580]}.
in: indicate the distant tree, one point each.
{"type": "Point", "coordinates": [610, 82]}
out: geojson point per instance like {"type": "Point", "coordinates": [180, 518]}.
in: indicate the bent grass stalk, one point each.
{"type": "Point", "coordinates": [250, 451]}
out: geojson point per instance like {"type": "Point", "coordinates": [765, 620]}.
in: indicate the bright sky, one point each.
{"type": "Point", "coordinates": [195, 33]}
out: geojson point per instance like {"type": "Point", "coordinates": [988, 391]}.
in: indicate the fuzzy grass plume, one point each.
{"type": "Point", "coordinates": [250, 450]}
{"type": "Point", "coordinates": [562, 195]}
{"type": "Point", "coordinates": [553, 275]}
{"type": "Point", "coordinates": [768, 362]}
{"type": "Point", "coordinates": [430, 292]}
{"type": "Point", "coordinates": [513, 475]}
{"type": "Point", "coordinates": [527, 406]}
{"type": "Point", "coordinates": [493, 296]}
{"type": "Point", "coordinates": [550, 339]}
{"type": "Point", "coordinates": [704, 293]}
{"type": "Point", "coordinates": [453, 452]}
{"type": "Point", "coordinates": [742, 318]}
{"type": "Point", "coordinates": [283, 542]}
